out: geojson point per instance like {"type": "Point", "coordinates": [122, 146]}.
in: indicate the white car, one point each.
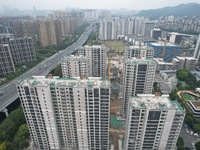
{"type": "Point", "coordinates": [187, 130]}
{"type": "Point", "coordinates": [196, 134]}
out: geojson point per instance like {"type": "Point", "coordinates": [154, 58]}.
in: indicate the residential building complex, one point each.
{"type": "Point", "coordinates": [184, 62]}
{"type": "Point", "coordinates": [175, 38]}
{"type": "Point", "coordinates": [138, 40]}
{"type": "Point", "coordinates": [22, 50]}
{"type": "Point", "coordinates": [96, 54]}
{"type": "Point", "coordinates": [44, 31]}
{"type": "Point", "coordinates": [111, 28]}
{"type": "Point", "coordinates": [161, 65]}
{"type": "Point", "coordinates": [153, 122]}
{"type": "Point", "coordinates": [139, 51]}
{"type": "Point", "coordinates": [197, 51]}
{"type": "Point", "coordinates": [156, 33]}
{"type": "Point", "coordinates": [180, 23]}
{"type": "Point", "coordinates": [169, 50]}
{"type": "Point", "coordinates": [66, 113]}
{"type": "Point", "coordinates": [6, 61]}
{"type": "Point", "coordinates": [15, 51]}
{"type": "Point", "coordinates": [138, 79]}
{"type": "Point", "coordinates": [75, 66]}
{"type": "Point", "coordinates": [148, 26]}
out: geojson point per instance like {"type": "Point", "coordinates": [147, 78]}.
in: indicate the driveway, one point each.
{"type": "Point", "coordinates": [188, 138]}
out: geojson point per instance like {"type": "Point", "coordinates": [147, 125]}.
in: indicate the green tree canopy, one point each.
{"type": "Point", "coordinates": [189, 121]}
{"type": "Point", "coordinates": [197, 127]}
{"type": "Point", "coordinates": [173, 94]}
{"type": "Point", "coordinates": [180, 143]}
{"type": "Point", "coordinates": [197, 145]}
{"type": "Point", "coordinates": [10, 125]}
{"type": "Point", "coordinates": [21, 136]}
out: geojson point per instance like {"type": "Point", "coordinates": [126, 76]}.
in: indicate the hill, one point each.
{"type": "Point", "coordinates": [190, 9]}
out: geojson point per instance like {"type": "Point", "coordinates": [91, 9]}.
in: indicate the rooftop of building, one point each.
{"type": "Point", "coordinates": [161, 61]}
{"type": "Point", "coordinates": [188, 58]}
{"type": "Point", "coordinates": [94, 46]}
{"type": "Point", "coordinates": [161, 43]}
{"type": "Point", "coordinates": [141, 38]}
{"type": "Point", "coordinates": [75, 58]}
{"type": "Point", "coordinates": [139, 60]}
{"type": "Point", "coordinates": [196, 104]}
{"type": "Point", "coordinates": [6, 35]}
{"type": "Point", "coordinates": [69, 82]}
{"type": "Point", "coordinates": [156, 29]}
{"type": "Point", "coordinates": [142, 47]}
{"type": "Point", "coordinates": [150, 101]}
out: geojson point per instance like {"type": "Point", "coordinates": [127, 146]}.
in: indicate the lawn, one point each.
{"type": "Point", "coordinates": [118, 46]}
{"type": "Point", "coordinates": [187, 97]}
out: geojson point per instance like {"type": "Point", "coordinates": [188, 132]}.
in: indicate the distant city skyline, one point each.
{"type": "Point", "coordinates": [91, 4]}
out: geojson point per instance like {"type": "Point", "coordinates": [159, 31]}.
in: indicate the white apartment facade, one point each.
{"type": "Point", "coordinates": [75, 66]}
{"type": "Point", "coordinates": [66, 114]}
{"type": "Point", "coordinates": [138, 78]}
{"type": "Point", "coordinates": [197, 50]}
{"type": "Point", "coordinates": [97, 58]}
{"type": "Point", "coordinates": [162, 65]}
{"type": "Point", "coordinates": [153, 122]}
{"type": "Point", "coordinates": [184, 62]}
{"type": "Point", "coordinates": [6, 61]}
{"type": "Point", "coordinates": [141, 51]}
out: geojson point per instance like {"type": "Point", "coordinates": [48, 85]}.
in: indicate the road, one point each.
{"type": "Point", "coordinates": [164, 86]}
{"type": "Point", "coordinates": [9, 91]}
{"type": "Point", "coordinates": [188, 139]}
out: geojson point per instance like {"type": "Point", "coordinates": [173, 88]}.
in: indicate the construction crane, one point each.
{"type": "Point", "coordinates": [164, 48]}
{"type": "Point", "coordinates": [108, 57]}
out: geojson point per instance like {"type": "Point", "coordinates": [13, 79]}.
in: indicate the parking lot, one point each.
{"type": "Point", "coordinates": [188, 138]}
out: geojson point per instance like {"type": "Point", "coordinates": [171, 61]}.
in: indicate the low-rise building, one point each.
{"type": "Point", "coordinates": [162, 65]}
{"type": "Point", "coordinates": [184, 62]}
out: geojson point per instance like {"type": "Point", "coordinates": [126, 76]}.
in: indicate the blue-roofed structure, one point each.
{"type": "Point", "coordinates": [171, 50]}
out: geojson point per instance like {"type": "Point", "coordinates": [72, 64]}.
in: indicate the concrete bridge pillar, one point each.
{"type": "Point", "coordinates": [5, 111]}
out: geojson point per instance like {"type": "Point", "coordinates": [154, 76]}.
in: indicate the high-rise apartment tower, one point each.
{"type": "Point", "coordinates": [96, 54]}
{"type": "Point", "coordinates": [138, 79]}
{"type": "Point", "coordinates": [153, 122]}
{"type": "Point", "coordinates": [75, 66]}
{"type": "Point", "coordinates": [67, 114]}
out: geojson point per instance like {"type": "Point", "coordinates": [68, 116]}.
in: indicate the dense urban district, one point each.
{"type": "Point", "coordinates": [93, 79]}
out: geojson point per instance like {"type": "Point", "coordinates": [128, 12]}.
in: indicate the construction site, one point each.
{"type": "Point", "coordinates": [115, 70]}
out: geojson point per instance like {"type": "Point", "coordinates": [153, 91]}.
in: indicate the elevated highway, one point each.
{"type": "Point", "coordinates": [9, 91]}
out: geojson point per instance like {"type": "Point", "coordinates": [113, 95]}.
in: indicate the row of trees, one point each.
{"type": "Point", "coordinates": [14, 131]}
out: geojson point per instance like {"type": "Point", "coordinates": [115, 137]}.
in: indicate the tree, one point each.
{"type": "Point", "coordinates": [22, 134]}
{"type": "Point", "coordinates": [198, 83]}
{"type": "Point", "coordinates": [180, 86]}
{"type": "Point", "coordinates": [10, 125]}
{"type": "Point", "coordinates": [57, 71]}
{"type": "Point", "coordinates": [173, 94]}
{"type": "Point", "coordinates": [197, 127]}
{"type": "Point", "coordinates": [6, 146]}
{"type": "Point", "coordinates": [180, 143]}
{"type": "Point", "coordinates": [189, 121]}
{"type": "Point", "coordinates": [20, 139]}
{"type": "Point", "coordinates": [197, 145]}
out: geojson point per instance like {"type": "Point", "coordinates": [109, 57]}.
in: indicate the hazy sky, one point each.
{"type": "Point", "coordinates": [106, 4]}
